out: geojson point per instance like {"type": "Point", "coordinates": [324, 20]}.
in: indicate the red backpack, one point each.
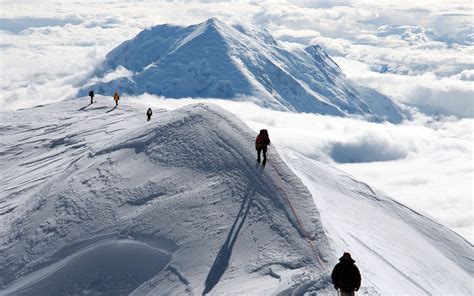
{"type": "Point", "coordinates": [262, 139]}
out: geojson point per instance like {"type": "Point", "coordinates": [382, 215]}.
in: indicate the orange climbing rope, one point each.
{"type": "Point", "coordinates": [300, 224]}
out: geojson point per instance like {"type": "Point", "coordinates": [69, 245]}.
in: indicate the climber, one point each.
{"type": "Point", "coordinates": [346, 276]}
{"type": "Point", "coordinates": [261, 143]}
{"type": "Point", "coordinates": [91, 94]}
{"type": "Point", "coordinates": [149, 113]}
{"type": "Point", "coordinates": [116, 98]}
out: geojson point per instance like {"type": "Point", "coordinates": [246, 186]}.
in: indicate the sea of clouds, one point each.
{"type": "Point", "coordinates": [417, 52]}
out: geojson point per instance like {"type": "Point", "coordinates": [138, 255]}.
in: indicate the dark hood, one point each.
{"type": "Point", "coordinates": [346, 260]}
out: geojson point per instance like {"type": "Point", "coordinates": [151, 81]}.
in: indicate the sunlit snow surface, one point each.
{"type": "Point", "coordinates": [185, 191]}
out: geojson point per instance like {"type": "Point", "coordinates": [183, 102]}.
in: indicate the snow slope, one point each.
{"type": "Point", "coordinates": [183, 189]}
{"type": "Point", "coordinates": [216, 60]}
{"type": "Point", "coordinates": [398, 250]}
{"type": "Point", "coordinates": [96, 200]}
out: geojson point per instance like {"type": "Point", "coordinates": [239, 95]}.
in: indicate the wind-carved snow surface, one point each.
{"type": "Point", "coordinates": [216, 60]}
{"type": "Point", "coordinates": [183, 189]}
{"type": "Point", "coordinates": [96, 200]}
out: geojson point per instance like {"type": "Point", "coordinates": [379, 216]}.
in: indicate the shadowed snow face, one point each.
{"type": "Point", "coordinates": [114, 267]}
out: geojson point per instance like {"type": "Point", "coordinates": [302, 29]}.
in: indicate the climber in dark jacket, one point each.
{"type": "Point", "coordinates": [261, 144]}
{"type": "Point", "coordinates": [346, 276]}
{"type": "Point", "coordinates": [149, 113]}
{"type": "Point", "coordinates": [91, 94]}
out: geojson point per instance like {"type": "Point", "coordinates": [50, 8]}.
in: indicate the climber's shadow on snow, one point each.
{"type": "Point", "coordinates": [223, 257]}
{"type": "Point", "coordinates": [259, 167]}
{"type": "Point", "coordinates": [85, 107]}
{"type": "Point", "coordinates": [115, 107]}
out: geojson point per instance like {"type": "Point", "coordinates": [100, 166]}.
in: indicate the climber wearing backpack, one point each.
{"type": "Point", "coordinates": [91, 94]}
{"type": "Point", "coordinates": [346, 276]}
{"type": "Point", "coordinates": [261, 144]}
{"type": "Point", "coordinates": [149, 113]}
{"type": "Point", "coordinates": [116, 98]}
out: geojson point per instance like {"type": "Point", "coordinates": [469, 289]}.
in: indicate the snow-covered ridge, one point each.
{"type": "Point", "coordinates": [95, 198]}
{"type": "Point", "coordinates": [216, 60]}
{"type": "Point", "coordinates": [184, 188]}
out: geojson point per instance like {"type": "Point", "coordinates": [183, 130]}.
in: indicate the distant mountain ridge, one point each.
{"type": "Point", "coordinates": [216, 60]}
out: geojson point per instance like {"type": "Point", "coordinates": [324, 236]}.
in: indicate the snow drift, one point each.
{"type": "Point", "coordinates": [96, 200]}
{"type": "Point", "coordinates": [216, 60]}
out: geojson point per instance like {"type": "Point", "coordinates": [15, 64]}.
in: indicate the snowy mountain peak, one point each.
{"type": "Point", "coordinates": [319, 55]}
{"type": "Point", "coordinates": [214, 21]}
{"type": "Point", "coordinates": [216, 60]}
{"type": "Point", "coordinates": [211, 27]}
